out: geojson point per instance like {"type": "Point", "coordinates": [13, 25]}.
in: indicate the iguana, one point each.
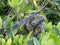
{"type": "Point", "coordinates": [32, 23]}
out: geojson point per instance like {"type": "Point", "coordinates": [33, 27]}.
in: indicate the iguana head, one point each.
{"type": "Point", "coordinates": [35, 23]}
{"type": "Point", "coordinates": [38, 19]}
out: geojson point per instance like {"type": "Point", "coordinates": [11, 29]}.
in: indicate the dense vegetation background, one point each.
{"type": "Point", "coordinates": [11, 11]}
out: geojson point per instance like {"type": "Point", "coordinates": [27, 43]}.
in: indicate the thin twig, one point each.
{"type": "Point", "coordinates": [9, 11]}
{"type": "Point", "coordinates": [42, 7]}
{"type": "Point", "coordinates": [43, 3]}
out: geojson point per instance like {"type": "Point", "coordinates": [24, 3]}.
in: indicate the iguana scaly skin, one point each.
{"type": "Point", "coordinates": [32, 23]}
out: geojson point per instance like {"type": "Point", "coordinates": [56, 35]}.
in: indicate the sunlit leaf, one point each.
{"type": "Point", "coordinates": [9, 42]}
{"type": "Point", "coordinates": [58, 26]}
{"type": "Point", "coordinates": [0, 22]}
{"type": "Point", "coordinates": [21, 5]}
{"type": "Point", "coordinates": [50, 42]}
{"type": "Point", "coordinates": [16, 39]}
{"type": "Point", "coordinates": [28, 7]}
{"type": "Point", "coordinates": [21, 40]}
{"type": "Point", "coordinates": [3, 41]}
{"type": "Point", "coordinates": [44, 39]}
{"type": "Point", "coordinates": [53, 35]}
{"type": "Point", "coordinates": [13, 3]}
{"type": "Point", "coordinates": [49, 26]}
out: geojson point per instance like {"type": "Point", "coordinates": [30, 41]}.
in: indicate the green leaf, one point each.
{"type": "Point", "coordinates": [44, 39]}
{"type": "Point", "coordinates": [55, 3]}
{"type": "Point", "coordinates": [49, 26]}
{"type": "Point", "coordinates": [36, 42]}
{"type": "Point", "coordinates": [30, 42]}
{"type": "Point", "coordinates": [41, 36]}
{"type": "Point", "coordinates": [9, 41]}
{"type": "Point", "coordinates": [50, 42]}
{"type": "Point", "coordinates": [0, 22]}
{"type": "Point", "coordinates": [53, 35]}
{"type": "Point", "coordinates": [59, 39]}
{"type": "Point", "coordinates": [27, 38]}
{"type": "Point", "coordinates": [3, 41]}
{"type": "Point", "coordinates": [13, 3]}
{"type": "Point", "coordinates": [21, 5]}
{"type": "Point", "coordinates": [28, 7]}
{"type": "Point", "coordinates": [9, 20]}
{"type": "Point", "coordinates": [58, 26]}
{"type": "Point", "coordinates": [16, 39]}
{"type": "Point", "coordinates": [21, 40]}
{"type": "Point", "coordinates": [56, 30]}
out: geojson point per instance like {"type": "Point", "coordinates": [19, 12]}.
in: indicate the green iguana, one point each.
{"type": "Point", "coordinates": [32, 23]}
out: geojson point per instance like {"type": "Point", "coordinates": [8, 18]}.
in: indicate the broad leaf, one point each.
{"type": "Point", "coordinates": [9, 42]}
{"type": "Point", "coordinates": [13, 3]}
{"type": "Point", "coordinates": [50, 42]}
{"type": "Point", "coordinates": [0, 22]}
{"type": "Point", "coordinates": [27, 38]}
{"type": "Point", "coordinates": [36, 42]}
{"type": "Point", "coordinates": [58, 26]}
{"type": "Point", "coordinates": [49, 26]}
{"type": "Point", "coordinates": [21, 40]}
